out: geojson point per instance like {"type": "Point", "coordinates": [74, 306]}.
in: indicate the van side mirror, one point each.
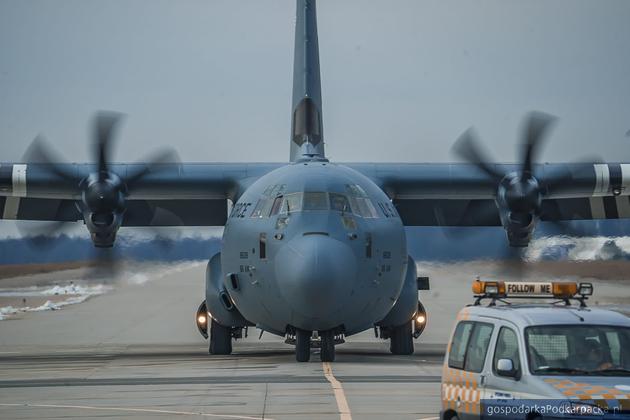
{"type": "Point", "coordinates": [505, 367]}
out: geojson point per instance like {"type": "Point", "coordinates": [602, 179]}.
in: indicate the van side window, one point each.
{"type": "Point", "coordinates": [478, 348]}
{"type": "Point", "coordinates": [459, 344]}
{"type": "Point", "coordinates": [470, 346]}
{"type": "Point", "coordinates": [507, 348]}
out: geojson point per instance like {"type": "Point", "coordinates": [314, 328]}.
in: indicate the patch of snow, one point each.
{"type": "Point", "coordinates": [48, 306]}
{"type": "Point", "coordinates": [579, 249]}
{"type": "Point", "coordinates": [161, 270]}
{"type": "Point", "coordinates": [78, 292]}
{"type": "Point", "coordinates": [138, 278]}
{"type": "Point", "coordinates": [57, 290]}
{"type": "Point", "coordinates": [74, 289]}
{"type": "Point", "coordinates": [6, 311]}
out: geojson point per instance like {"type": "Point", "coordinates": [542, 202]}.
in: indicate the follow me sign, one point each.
{"type": "Point", "coordinates": [529, 288]}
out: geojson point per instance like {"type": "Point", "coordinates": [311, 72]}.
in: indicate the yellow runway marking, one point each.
{"type": "Point", "coordinates": [340, 396]}
{"type": "Point", "coordinates": [135, 410]}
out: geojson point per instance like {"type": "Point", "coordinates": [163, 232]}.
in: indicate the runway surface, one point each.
{"type": "Point", "coordinates": [135, 352]}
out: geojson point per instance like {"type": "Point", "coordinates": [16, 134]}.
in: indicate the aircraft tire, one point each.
{"type": "Point", "coordinates": [401, 339]}
{"type": "Point", "coordinates": [302, 345]}
{"type": "Point", "coordinates": [220, 339]}
{"type": "Point", "coordinates": [327, 351]}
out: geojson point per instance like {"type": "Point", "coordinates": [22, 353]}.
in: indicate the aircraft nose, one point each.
{"type": "Point", "coordinates": [315, 274]}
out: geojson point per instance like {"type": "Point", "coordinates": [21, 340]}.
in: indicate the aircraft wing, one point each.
{"type": "Point", "coordinates": [187, 194]}
{"type": "Point", "coordinates": [198, 212]}
{"type": "Point", "coordinates": [427, 194]}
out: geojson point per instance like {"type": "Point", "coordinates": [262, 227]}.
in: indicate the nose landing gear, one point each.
{"type": "Point", "coordinates": [305, 340]}
{"type": "Point", "coordinates": [302, 345]}
{"type": "Point", "coordinates": [327, 350]}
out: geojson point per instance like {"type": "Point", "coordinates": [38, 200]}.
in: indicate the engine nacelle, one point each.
{"type": "Point", "coordinates": [219, 303]}
{"type": "Point", "coordinates": [103, 227]}
{"type": "Point", "coordinates": [103, 207]}
{"type": "Point", "coordinates": [407, 304]}
{"type": "Point", "coordinates": [519, 228]}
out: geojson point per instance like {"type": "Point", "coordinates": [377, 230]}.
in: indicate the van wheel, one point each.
{"type": "Point", "coordinates": [401, 339]}
{"type": "Point", "coordinates": [220, 339]}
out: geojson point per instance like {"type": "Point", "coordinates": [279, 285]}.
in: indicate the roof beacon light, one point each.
{"type": "Point", "coordinates": [526, 289]}
{"type": "Point", "coordinates": [490, 288]}
{"type": "Point", "coordinates": [565, 290]}
{"type": "Point", "coordinates": [585, 289]}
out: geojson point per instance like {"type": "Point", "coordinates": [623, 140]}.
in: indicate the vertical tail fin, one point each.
{"type": "Point", "coordinates": [307, 137]}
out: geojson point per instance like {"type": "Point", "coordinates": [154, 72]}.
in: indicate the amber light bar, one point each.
{"type": "Point", "coordinates": [561, 290]}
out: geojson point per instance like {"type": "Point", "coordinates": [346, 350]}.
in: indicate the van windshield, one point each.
{"type": "Point", "coordinates": [597, 350]}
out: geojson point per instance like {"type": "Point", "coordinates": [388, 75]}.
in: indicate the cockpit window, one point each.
{"type": "Point", "coordinates": [339, 202]}
{"type": "Point", "coordinates": [274, 190]}
{"type": "Point", "coordinates": [363, 207]}
{"type": "Point", "coordinates": [315, 201]}
{"type": "Point", "coordinates": [292, 203]}
{"type": "Point", "coordinates": [277, 205]}
{"type": "Point", "coordinates": [312, 201]}
{"type": "Point", "coordinates": [262, 208]}
{"type": "Point", "coordinates": [359, 202]}
{"type": "Point", "coordinates": [356, 190]}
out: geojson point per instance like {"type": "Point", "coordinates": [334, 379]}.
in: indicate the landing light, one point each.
{"type": "Point", "coordinates": [201, 319]}
{"type": "Point", "coordinates": [420, 321]}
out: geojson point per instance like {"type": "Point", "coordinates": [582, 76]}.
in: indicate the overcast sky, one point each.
{"type": "Point", "coordinates": [401, 80]}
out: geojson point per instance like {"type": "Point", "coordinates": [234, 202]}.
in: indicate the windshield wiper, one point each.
{"type": "Point", "coordinates": [558, 369]}
{"type": "Point", "coordinates": [612, 371]}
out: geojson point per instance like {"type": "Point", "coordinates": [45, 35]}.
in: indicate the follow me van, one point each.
{"type": "Point", "coordinates": [536, 360]}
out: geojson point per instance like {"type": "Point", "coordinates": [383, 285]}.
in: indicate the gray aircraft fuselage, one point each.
{"type": "Point", "coordinates": [315, 246]}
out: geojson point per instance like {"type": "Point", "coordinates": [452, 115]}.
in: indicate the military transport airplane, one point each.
{"type": "Point", "coordinates": [312, 250]}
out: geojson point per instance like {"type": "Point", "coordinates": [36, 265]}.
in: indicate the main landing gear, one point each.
{"type": "Point", "coordinates": [401, 339]}
{"type": "Point", "coordinates": [220, 336]}
{"type": "Point", "coordinates": [401, 336]}
{"type": "Point", "coordinates": [220, 339]}
{"type": "Point", "coordinates": [304, 340]}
